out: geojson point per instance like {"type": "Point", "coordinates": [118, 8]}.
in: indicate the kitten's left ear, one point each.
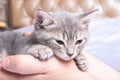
{"type": "Point", "coordinates": [86, 18]}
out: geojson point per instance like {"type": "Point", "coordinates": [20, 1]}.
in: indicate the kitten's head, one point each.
{"type": "Point", "coordinates": [65, 33]}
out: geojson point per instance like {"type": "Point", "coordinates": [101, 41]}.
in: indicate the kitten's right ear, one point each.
{"type": "Point", "coordinates": [42, 20]}
{"type": "Point", "coordinates": [86, 17]}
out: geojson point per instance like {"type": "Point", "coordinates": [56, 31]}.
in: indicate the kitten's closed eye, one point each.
{"type": "Point", "coordinates": [60, 42]}
{"type": "Point", "coordinates": [79, 41]}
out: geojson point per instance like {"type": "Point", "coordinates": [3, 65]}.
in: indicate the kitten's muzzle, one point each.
{"type": "Point", "coordinates": [69, 54]}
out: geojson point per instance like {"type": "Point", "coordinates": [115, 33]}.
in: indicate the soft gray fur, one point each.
{"type": "Point", "coordinates": [59, 33]}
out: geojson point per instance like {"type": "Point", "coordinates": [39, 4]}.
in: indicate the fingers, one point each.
{"type": "Point", "coordinates": [24, 64]}
{"type": "Point", "coordinates": [5, 75]}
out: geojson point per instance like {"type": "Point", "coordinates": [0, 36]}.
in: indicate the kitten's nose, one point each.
{"type": "Point", "coordinates": [70, 54]}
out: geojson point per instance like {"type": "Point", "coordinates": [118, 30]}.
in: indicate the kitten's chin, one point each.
{"type": "Point", "coordinates": [65, 57]}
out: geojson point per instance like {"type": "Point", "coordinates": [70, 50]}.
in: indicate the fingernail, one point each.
{"type": "Point", "coordinates": [6, 62]}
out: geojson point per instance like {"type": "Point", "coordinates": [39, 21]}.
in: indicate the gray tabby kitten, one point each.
{"type": "Point", "coordinates": [59, 33]}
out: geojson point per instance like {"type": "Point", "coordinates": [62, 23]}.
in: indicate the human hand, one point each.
{"type": "Point", "coordinates": [26, 67]}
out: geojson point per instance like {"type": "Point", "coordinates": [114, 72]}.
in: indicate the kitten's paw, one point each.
{"type": "Point", "coordinates": [41, 51]}
{"type": "Point", "coordinates": [81, 62]}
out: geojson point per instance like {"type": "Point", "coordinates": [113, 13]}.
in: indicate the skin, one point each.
{"type": "Point", "coordinates": [26, 67]}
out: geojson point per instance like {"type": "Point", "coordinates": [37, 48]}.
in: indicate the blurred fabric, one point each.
{"type": "Point", "coordinates": [104, 42]}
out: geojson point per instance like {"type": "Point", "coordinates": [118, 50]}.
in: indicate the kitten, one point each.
{"type": "Point", "coordinates": [59, 33]}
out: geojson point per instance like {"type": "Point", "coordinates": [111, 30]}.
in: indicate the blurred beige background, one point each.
{"type": "Point", "coordinates": [19, 13]}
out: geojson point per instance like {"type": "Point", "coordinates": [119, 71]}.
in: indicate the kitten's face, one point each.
{"type": "Point", "coordinates": [63, 32]}
{"type": "Point", "coordinates": [68, 47]}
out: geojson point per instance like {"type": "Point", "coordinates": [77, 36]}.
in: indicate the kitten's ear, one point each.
{"type": "Point", "coordinates": [43, 20]}
{"type": "Point", "coordinates": [86, 18]}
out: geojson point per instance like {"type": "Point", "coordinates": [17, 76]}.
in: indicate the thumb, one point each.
{"type": "Point", "coordinates": [24, 64]}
